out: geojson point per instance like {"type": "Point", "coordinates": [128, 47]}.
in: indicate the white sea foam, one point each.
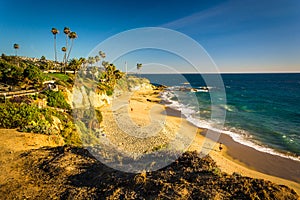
{"type": "Point", "coordinates": [238, 135]}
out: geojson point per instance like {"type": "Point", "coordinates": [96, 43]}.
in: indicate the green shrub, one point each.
{"type": "Point", "coordinates": [30, 118]}
{"type": "Point", "coordinates": [56, 99]}
{"type": "Point", "coordinates": [99, 116]}
{"type": "Point", "coordinates": [34, 74]}
{"type": "Point", "coordinates": [18, 73]}
{"type": "Point", "coordinates": [70, 134]}
{"type": "Point", "coordinates": [109, 92]}
{"type": "Point", "coordinates": [42, 126]}
{"type": "Point", "coordinates": [87, 136]}
{"type": "Point", "coordinates": [26, 117]}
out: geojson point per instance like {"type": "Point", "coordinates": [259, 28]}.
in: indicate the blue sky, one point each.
{"type": "Point", "coordinates": [240, 36]}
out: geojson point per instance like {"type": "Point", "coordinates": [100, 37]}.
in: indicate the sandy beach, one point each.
{"type": "Point", "coordinates": [145, 115]}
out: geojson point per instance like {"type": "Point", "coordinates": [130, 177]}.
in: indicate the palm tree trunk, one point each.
{"type": "Point", "coordinates": [65, 56]}
{"type": "Point", "coordinates": [63, 64]}
{"type": "Point", "coordinates": [63, 61]}
{"type": "Point", "coordinates": [16, 58]}
{"type": "Point", "coordinates": [70, 49]}
{"type": "Point", "coordinates": [55, 52]}
{"type": "Point", "coordinates": [66, 41]}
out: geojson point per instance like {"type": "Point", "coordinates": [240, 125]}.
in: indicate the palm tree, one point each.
{"type": "Point", "coordinates": [16, 47]}
{"type": "Point", "coordinates": [111, 75]}
{"type": "Point", "coordinates": [102, 54]}
{"type": "Point", "coordinates": [139, 67]}
{"type": "Point", "coordinates": [83, 62]}
{"type": "Point", "coordinates": [83, 67]}
{"type": "Point", "coordinates": [91, 60]}
{"type": "Point", "coordinates": [94, 71]}
{"type": "Point", "coordinates": [118, 74]}
{"type": "Point", "coordinates": [97, 59]}
{"type": "Point", "coordinates": [64, 49]}
{"type": "Point", "coordinates": [66, 32]}
{"type": "Point", "coordinates": [55, 32]}
{"type": "Point", "coordinates": [72, 36]}
{"type": "Point", "coordinates": [75, 64]}
{"type": "Point", "coordinates": [105, 63]}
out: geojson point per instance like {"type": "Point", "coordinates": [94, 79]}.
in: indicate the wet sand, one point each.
{"type": "Point", "coordinates": [261, 161]}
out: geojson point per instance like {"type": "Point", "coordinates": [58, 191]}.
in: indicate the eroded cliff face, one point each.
{"type": "Point", "coordinates": [83, 97]}
{"type": "Point", "coordinates": [142, 86]}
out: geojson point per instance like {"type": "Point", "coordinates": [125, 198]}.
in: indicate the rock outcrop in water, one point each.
{"type": "Point", "coordinates": [72, 173]}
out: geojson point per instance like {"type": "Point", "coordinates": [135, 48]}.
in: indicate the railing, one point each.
{"type": "Point", "coordinates": [11, 94]}
{"type": "Point", "coordinates": [58, 71]}
{"type": "Point", "coordinates": [19, 93]}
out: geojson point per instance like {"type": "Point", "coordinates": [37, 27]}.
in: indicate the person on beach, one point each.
{"type": "Point", "coordinates": [220, 147]}
{"type": "Point", "coordinates": [129, 104]}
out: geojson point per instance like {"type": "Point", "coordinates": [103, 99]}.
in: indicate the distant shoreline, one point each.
{"type": "Point", "coordinates": [220, 73]}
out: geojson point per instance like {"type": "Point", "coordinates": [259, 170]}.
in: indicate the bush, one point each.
{"type": "Point", "coordinates": [30, 118]}
{"type": "Point", "coordinates": [56, 99]}
{"type": "Point", "coordinates": [17, 73]}
{"type": "Point", "coordinates": [34, 74]}
{"type": "Point", "coordinates": [10, 73]}
{"type": "Point", "coordinates": [70, 134]}
{"type": "Point", "coordinates": [109, 92]}
{"type": "Point", "coordinates": [26, 117]}
{"type": "Point", "coordinates": [98, 115]}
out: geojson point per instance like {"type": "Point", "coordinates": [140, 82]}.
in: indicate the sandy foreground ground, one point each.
{"type": "Point", "coordinates": [135, 123]}
{"type": "Point", "coordinates": [14, 142]}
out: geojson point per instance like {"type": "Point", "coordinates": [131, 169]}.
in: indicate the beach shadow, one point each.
{"type": "Point", "coordinates": [172, 112]}
{"type": "Point", "coordinates": [74, 173]}
{"type": "Point", "coordinates": [211, 149]}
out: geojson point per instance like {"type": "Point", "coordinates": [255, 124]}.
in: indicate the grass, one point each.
{"type": "Point", "coordinates": [65, 80]}
{"type": "Point", "coordinates": [62, 77]}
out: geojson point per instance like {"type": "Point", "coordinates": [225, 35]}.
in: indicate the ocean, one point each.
{"type": "Point", "coordinates": [262, 110]}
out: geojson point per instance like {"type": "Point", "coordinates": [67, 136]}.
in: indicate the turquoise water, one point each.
{"type": "Point", "coordinates": [262, 110]}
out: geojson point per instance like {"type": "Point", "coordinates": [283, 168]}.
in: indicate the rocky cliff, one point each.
{"type": "Point", "coordinates": [83, 97]}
